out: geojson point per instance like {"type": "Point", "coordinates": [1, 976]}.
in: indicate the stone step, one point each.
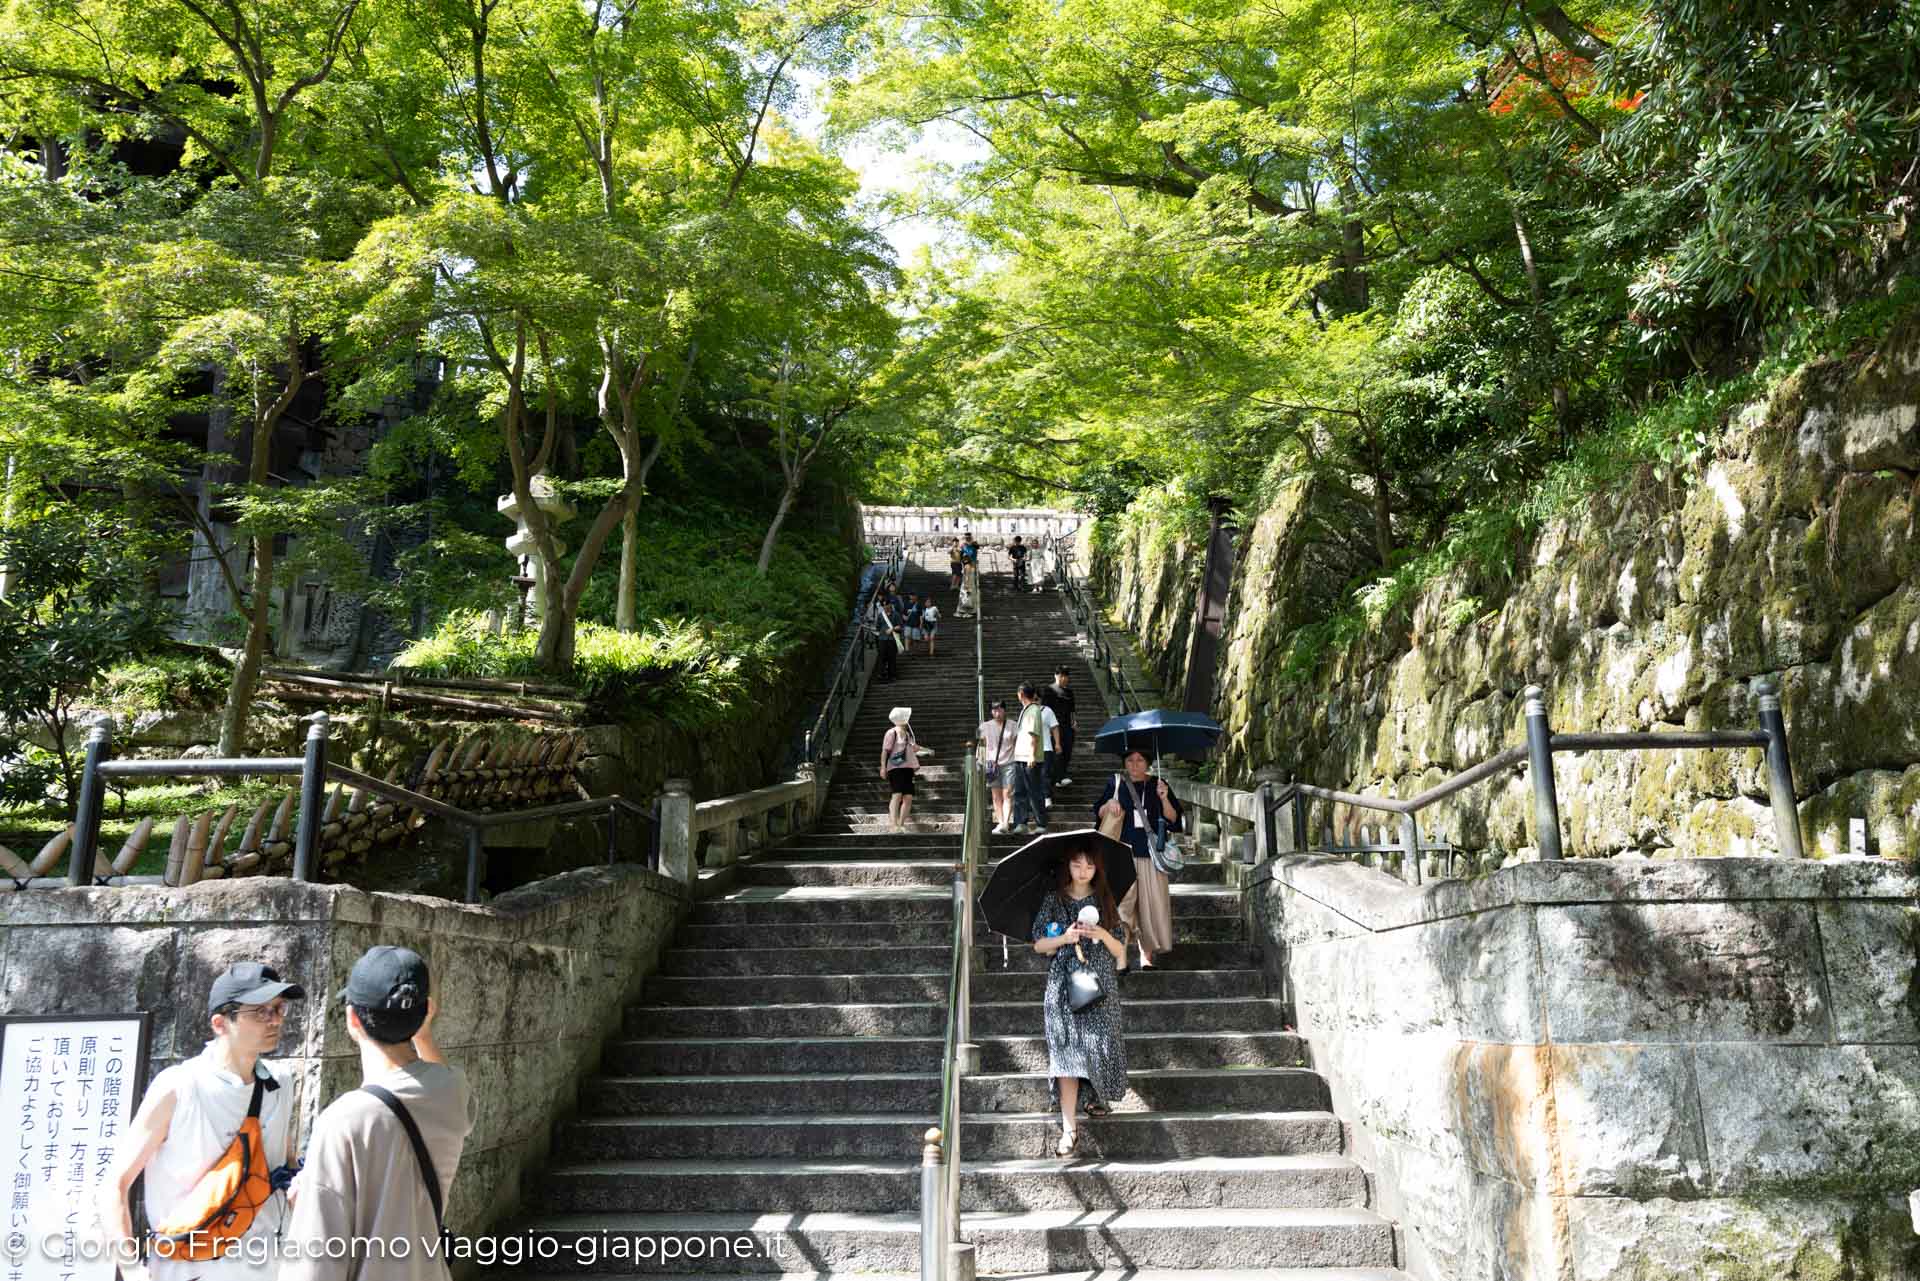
{"type": "Point", "coordinates": [1156, 1135]}
{"type": "Point", "coordinates": [824, 904]}
{"type": "Point", "coordinates": [694, 962]}
{"type": "Point", "coordinates": [1005, 1242]}
{"type": "Point", "coordinates": [691, 1056]}
{"type": "Point", "coordinates": [896, 871]}
{"type": "Point", "coordinates": [844, 1186]}
{"type": "Point", "coordinates": [1193, 929]}
{"type": "Point", "coordinates": [1153, 984]}
{"type": "Point", "coordinates": [1125, 1274]}
{"type": "Point", "coordinates": [918, 1093]}
{"type": "Point", "coordinates": [761, 1021]}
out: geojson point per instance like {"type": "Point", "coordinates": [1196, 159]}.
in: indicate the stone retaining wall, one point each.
{"type": "Point", "coordinates": [1620, 1070]}
{"type": "Point", "coordinates": [527, 985]}
{"type": "Point", "coordinates": [1790, 550]}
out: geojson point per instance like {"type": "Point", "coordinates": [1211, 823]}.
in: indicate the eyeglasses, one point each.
{"type": "Point", "coordinates": [273, 1013]}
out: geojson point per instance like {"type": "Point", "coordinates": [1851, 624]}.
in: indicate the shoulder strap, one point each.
{"type": "Point", "coordinates": [427, 1173]}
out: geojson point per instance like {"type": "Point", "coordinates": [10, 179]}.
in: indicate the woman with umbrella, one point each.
{"type": "Point", "coordinates": [1078, 925]}
{"type": "Point", "coordinates": [1140, 806]}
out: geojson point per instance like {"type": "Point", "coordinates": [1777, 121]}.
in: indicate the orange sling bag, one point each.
{"type": "Point", "coordinates": [222, 1205]}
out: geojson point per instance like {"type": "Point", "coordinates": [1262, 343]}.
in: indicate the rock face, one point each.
{"type": "Point", "coordinates": [1792, 552]}
{"type": "Point", "coordinates": [527, 985]}
{"type": "Point", "coordinates": [1620, 1070]}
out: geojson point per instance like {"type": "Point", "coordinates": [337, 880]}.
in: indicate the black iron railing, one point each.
{"type": "Point", "coordinates": [316, 773]}
{"type": "Point", "coordinates": [1542, 745]}
{"type": "Point", "coordinates": [845, 691]}
{"type": "Point", "coordinates": [1086, 616]}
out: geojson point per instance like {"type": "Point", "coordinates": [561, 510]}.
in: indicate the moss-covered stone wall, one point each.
{"type": "Point", "coordinates": [1792, 550]}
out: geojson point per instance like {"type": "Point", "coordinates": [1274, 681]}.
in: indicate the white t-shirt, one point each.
{"type": "Point", "coordinates": [1052, 723]}
{"type": "Point", "coordinates": [1032, 722]}
{"type": "Point", "coordinates": [363, 1181]}
{"type": "Point", "coordinates": [996, 742]}
{"type": "Point", "coordinates": [209, 1103]}
{"type": "Point", "coordinates": [930, 617]}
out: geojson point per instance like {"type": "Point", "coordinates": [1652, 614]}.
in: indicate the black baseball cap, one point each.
{"type": "Point", "coordinates": [250, 983]}
{"type": "Point", "coordinates": [388, 978]}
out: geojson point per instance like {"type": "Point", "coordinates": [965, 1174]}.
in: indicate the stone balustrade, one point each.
{"type": "Point", "coordinates": [732, 825]}
{"type": "Point", "coordinates": [984, 522]}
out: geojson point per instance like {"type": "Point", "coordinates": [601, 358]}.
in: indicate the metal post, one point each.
{"type": "Point", "coordinates": [1786, 809]}
{"type": "Point", "coordinates": [473, 865]}
{"type": "Point", "coordinates": [1546, 800]}
{"type": "Point", "coordinates": [1300, 839]}
{"type": "Point", "coordinates": [86, 813]}
{"type": "Point", "coordinates": [933, 1206]}
{"type": "Point", "coordinates": [313, 790]}
{"type": "Point", "coordinates": [1410, 849]}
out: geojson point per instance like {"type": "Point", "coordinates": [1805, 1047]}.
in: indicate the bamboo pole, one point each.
{"type": "Point", "coordinates": [177, 850]}
{"type": "Point", "coordinates": [196, 858]}
{"type": "Point", "coordinates": [217, 843]}
{"type": "Point", "coordinates": [322, 690]}
{"type": "Point", "coordinates": [53, 851]}
{"type": "Point", "coordinates": [136, 843]}
{"type": "Point", "coordinates": [398, 677]}
{"type": "Point", "coordinates": [283, 819]}
{"type": "Point", "coordinates": [250, 839]}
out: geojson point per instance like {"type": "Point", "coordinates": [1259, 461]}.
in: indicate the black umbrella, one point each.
{"type": "Point", "coordinates": [1022, 879]}
{"type": "Point", "coordinates": [1158, 732]}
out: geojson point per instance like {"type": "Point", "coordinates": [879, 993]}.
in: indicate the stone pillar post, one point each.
{"type": "Point", "coordinates": [676, 831]}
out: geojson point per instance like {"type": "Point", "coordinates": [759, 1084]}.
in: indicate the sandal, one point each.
{"type": "Point", "coordinates": [1098, 1109]}
{"type": "Point", "coordinates": [1069, 1139]}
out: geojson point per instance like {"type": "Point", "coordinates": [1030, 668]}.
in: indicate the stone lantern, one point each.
{"type": "Point", "coordinates": [522, 545]}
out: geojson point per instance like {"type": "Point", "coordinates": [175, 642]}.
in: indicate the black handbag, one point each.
{"type": "Point", "coordinates": [1083, 985]}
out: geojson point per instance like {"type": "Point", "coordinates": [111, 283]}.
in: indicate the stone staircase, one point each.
{"type": "Point", "coordinates": [776, 1080]}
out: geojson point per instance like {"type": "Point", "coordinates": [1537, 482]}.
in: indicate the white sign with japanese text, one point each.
{"type": "Point", "coordinates": [68, 1088]}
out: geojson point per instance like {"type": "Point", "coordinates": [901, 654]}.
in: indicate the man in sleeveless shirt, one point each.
{"type": "Point", "coordinates": [364, 1183]}
{"type": "Point", "coordinates": [189, 1116]}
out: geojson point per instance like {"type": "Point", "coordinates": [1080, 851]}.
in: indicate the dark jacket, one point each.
{"type": "Point", "coordinates": [1061, 701]}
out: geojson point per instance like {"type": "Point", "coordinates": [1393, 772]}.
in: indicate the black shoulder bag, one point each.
{"type": "Point", "coordinates": [427, 1173]}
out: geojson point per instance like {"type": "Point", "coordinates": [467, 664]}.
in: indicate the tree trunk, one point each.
{"type": "Point", "coordinates": [780, 515]}
{"type": "Point", "coordinates": [6, 523]}
{"type": "Point", "coordinates": [246, 675]}
{"type": "Point", "coordinates": [1382, 519]}
{"type": "Point", "coordinates": [556, 635]}
{"type": "Point", "coordinates": [1542, 322]}
{"type": "Point", "coordinates": [1353, 248]}
{"type": "Point", "coordinates": [623, 610]}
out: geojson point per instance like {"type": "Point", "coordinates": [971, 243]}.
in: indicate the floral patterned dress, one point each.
{"type": "Point", "coordinates": [1089, 1044]}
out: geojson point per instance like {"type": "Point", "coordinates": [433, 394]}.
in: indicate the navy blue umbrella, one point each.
{"type": "Point", "coordinates": [1158, 733]}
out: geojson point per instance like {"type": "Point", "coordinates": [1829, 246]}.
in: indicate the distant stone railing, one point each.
{"type": "Point", "coordinates": [951, 522]}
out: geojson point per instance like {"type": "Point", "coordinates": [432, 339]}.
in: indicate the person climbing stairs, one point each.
{"type": "Point", "coordinates": [773, 1084]}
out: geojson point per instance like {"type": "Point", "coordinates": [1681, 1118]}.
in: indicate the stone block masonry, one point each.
{"type": "Point", "coordinates": [527, 985]}
{"type": "Point", "coordinates": [1789, 551]}
{"type": "Point", "coordinates": [1620, 1070]}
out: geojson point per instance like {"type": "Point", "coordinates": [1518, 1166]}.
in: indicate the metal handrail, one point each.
{"type": "Point", "coordinates": [1080, 601]}
{"type": "Point", "coordinates": [1537, 754]}
{"type": "Point", "coordinates": [846, 688]}
{"type": "Point", "coordinates": [940, 1209]}
{"type": "Point", "coordinates": [315, 772]}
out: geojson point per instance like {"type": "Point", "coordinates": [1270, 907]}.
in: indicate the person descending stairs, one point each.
{"type": "Point", "coordinates": [763, 1108]}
